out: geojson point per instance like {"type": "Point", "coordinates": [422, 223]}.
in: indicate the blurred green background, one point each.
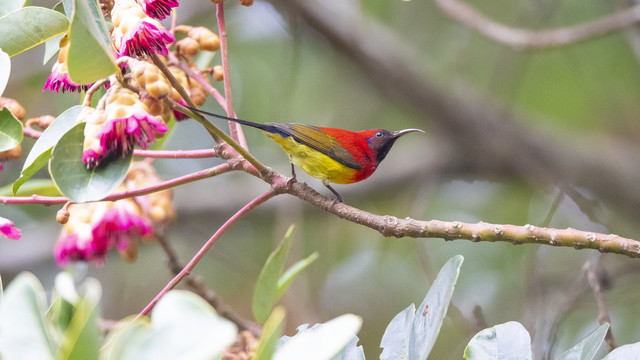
{"type": "Point", "coordinates": [284, 70]}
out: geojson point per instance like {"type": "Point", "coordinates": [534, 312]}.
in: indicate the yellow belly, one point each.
{"type": "Point", "coordinates": [315, 163]}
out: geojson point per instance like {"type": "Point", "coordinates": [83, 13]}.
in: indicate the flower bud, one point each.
{"type": "Point", "coordinates": [218, 73]}
{"type": "Point", "coordinates": [188, 46]}
{"type": "Point", "coordinates": [206, 38]}
{"type": "Point", "coordinates": [246, 2]}
{"type": "Point", "coordinates": [62, 216]}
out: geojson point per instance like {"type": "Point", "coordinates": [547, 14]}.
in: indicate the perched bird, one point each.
{"type": "Point", "coordinates": [329, 154]}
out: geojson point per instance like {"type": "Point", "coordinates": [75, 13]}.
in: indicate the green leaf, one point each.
{"type": "Point", "coordinates": [22, 29]}
{"type": "Point", "coordinates": [501, 342]}
{"type": "Point", "coordinates": [625, 352]}
{"type": "Point", "coordinates": [285, 280]}
{"type": "Point", "coordinates": [322, 341]}
{"type": "Point", "coordinates": [44, 187]}
{"type": "Point", "coordinates": [23, 331]}
{"type": "Point", "coordinates": [7, 6]}
{"type": "Point", "coordinates": [430, 314]}
{"type": "Point", "coordinates": [5, 70]}
{"type": "Point", "coordinates": [81, 338]}
{"type": "Point", "coordinates": [352, 351]}
{"type": "Point", "coordinates": [89, 35]}
{"type": "Point", "coordinates": [588, 347]}
{"type": "Point", "coordinates": [395, 341]}
{"type": "Point", "coordinates": [266, 292]}
{"type": "Point", "coordinates": [41, 151]}
{"type": "Point", "coordinates": [71, 176]}
{"type": "Point", "coordinates": [10, 130]}
{"type": "Point", "coordinates": [183, 326]}
{"type": "Point", "coordinates": [270, 334]}
{"type": "Point", "coordinates": [52, 45]}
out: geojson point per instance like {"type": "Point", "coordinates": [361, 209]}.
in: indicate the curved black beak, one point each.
{"type": "Point", "coordinates": [397, 134]}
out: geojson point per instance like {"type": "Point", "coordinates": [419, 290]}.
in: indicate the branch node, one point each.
{"type": "Point", "coordinates": [530, 228]}
{"type": "Point", "coordinates": [554, 239]}
{"type": "Point", "coordinates": [475, 237]}
{"type": "Point", "coordinates": [499, 230]}
{"type": "Point", "coordinates": [591, 237]}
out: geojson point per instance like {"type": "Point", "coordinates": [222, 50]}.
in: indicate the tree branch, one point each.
{"type": "Point", "coordinates": [527, 39]}
{"type": "Point", "coordinates": [389, 226]}
{"type": "Point", "coordinates": [476, 127]}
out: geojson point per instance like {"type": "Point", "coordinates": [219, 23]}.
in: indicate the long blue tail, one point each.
{"type": "Point", "coordinates": [267, 128]}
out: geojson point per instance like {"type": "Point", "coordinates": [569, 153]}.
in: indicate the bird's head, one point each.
{"type": "Point", "coordinates": [381, 141]}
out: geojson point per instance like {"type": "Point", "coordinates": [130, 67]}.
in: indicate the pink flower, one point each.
{"type": "Point", "coordinates": [118, 136]}
{"type": "Point", "coordinates": [8, 229]}
{"type": "Point", "coordinates": [158, 9]}
{"type": "Point", "coordinates": [60, 80]}
{"type": "Point", "coordinates": [94, 229]}
{"type": "Point", "coordinates": [145, 38]}
{"type": "Point", "coordinates": [119, 226]}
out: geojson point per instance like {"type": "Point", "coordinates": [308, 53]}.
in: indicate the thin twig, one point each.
{"type": "Point", "coordinates": [194, 261]}
{"type": "Point", "coordinates": [234, 128]}
{"type": "Point", "coordinates": [603, 314]}
{"type": "Point", "coordinates": [176, 154]}
{"type": "Point", "coordinates": [181, 180]}
{"type": "Point", "coordinates": [525, 39]}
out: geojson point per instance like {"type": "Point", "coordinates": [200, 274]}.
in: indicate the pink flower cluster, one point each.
{"type": "Point", "coordinates": [94, 229]}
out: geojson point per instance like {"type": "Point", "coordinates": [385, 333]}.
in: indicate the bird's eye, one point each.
{"type": "Point", "coordinates": [378, 134]}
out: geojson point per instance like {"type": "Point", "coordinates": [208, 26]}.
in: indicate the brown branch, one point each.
{"type": "Point", "coordinates": [603, 314]}
{"type": "Point", "coordinates": [526, 39]}
{"type": "Point", "coordinates": [493, 136]}
{"type": "Point", "coordinates": [389, 226]}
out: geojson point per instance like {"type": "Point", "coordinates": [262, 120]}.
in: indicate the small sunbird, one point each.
{"type": "Point", "coordinates": [329, 154]}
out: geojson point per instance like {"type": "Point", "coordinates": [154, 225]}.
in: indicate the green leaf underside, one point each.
{"type": "Point", "coordinates": [7, 6]}
{"type": "Point", "coordinates": [5, 70]}
{"type": "Point", "coordinates": [183, 326]}
{"type": "Point", "coordinates": [430, 314]}
{"type": "Point", "coordinates": [41, 150]}
{"type": "Point", "coordinates": [10, 130]}
{"type": "Point", "coordinates": [88, 35]}
{"type": "Point", "coordinates": [501, 342]}
{"type": "Point", "coordinates": [588, 347]}
{"type": "Point", "coordinates": [52, 45]}
{"type": "Point", "coordinates": [322, 341]}
{"type": "Point", "coordinates": [22, 29]}
{"type": "Point", "coordinates": [71, 175]}
{"type": "Point", "coordinates": [24, 331]}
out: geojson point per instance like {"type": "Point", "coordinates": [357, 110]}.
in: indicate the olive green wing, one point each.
{"type": "Point", "coordinates": [319, 140]}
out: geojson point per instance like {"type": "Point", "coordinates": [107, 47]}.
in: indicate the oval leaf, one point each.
{"type": "Point", "coordinates": [395, 340]}
{"type": "Point", "coordinates": [7, 6]}
{"type": "Point", "coordinates": [183, 326]}
{"type": "Point", "coordinates": [71, 176]}
{"type": "Point", "coordinates": [22, 324]}
{"type": "Point", "coordinates": [25, 28]}
{"type": "Point", "coordinates": [508, 341]}
{"type": "Point", "coordinates": [10, 130]}
{"type": "Point", "coordinates": [89, 35]}
{"type": "Point", "coordinates": [430, 314]}
{"type": "Point", "coordinates": [588, 347]}
{"type": "Point", "coordinates": [41, 150]}
{"type": "Point", "coordinates": [322, 341]}
{"type": "Point", "coordinates": [5, 70]}
{"type": "Point", "coordinates": [625, 352]}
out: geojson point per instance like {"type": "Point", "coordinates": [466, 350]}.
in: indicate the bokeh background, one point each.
{"type": "Point", "coordinates": [543, 136]}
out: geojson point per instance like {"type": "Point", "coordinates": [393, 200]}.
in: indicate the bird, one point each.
{"type": "Point", "coordinates": [331, 155]}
